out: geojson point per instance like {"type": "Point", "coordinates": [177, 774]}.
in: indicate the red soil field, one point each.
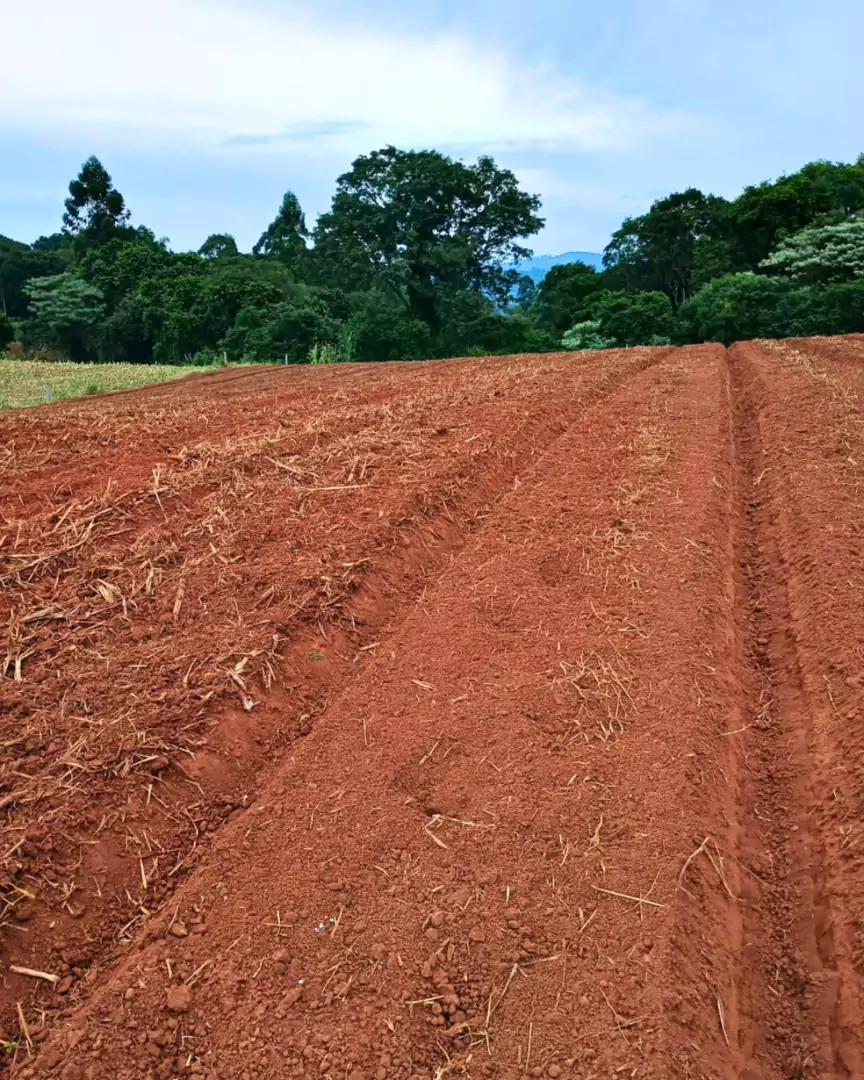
{"type": "Point", "coordinates": [488, 718]}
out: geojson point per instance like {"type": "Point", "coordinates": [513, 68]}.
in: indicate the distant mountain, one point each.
{"type": "Point", "coordinates": [538, 267]}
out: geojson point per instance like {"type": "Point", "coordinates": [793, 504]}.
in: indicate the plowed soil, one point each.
{"type": "Point", "coordinates": [493, 718]}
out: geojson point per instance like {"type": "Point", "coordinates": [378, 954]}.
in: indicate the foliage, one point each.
{"type": "Point", "coordinates": [7, 331]}
{"type": "Point", "coordinates": [764, 215]}
{"type": "Point", "coordinates": [415, 259]}
{"type": "Point", "coordinates": [20, 264]}
{"type": "Point", "coordinates": [219, 246]}
{"type": "Point", "coordinates": [821, 254]}
{"type": "Point", "coordinates": [838, 308]}
{"type": "Point", "coordinates": [664, 250]}
{"type": "Point", "coordinates": [65, 315]}
{"type": "Point", "coordinates": [585, 336]}
{"type": "Point", "coordinates": [324, 354]}
{"type": "Point", "coordinates": [94, 207]}
{"type": "Point", "coordinates": [633, 318]}
{"type": "Point", "coordinates": [738, 307]}
{"type": "Point", "coordinates": [381, 330]}
{"type": "Point", "coordinates": [425, 228]}
{"type": "Point", "coordinates": [564, 294]}
{"type": "Point", "coordinates": [285, 237]}
{"type": "Point", "coordinates": [285, 334]}
{"type": "Point", "coordinates": [526, 292]}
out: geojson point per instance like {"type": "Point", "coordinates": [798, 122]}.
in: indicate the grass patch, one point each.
{"type": "Point", "coordinates": [24, 382]}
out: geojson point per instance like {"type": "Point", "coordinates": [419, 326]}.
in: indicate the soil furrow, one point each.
{"type": "Point", "coordinates": [767, 889]}
{"type": "Point", "coordinates": [785, 951]}
{"type": "Point", "coordinates": [131, 828]}
{"type": "Point", "coordinates": [801, 444]}
{"type": "Point", "coordinates": [471, 862]}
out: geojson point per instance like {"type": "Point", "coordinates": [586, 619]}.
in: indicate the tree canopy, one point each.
{"type": "Point", "coordinates": [65, 314]}
{"type": "Point", "coordinates": [822, 253]}
{"type": "Point", "coordinates": [564, 294]}
{"type": "Point", "coordinates": [665, 249]}
{"type": "Point", "coordinates": [426, 228]}
{"type": "Point", "coordinates": [285, 237]}
{"type": "Point", "coordinates": [418, 256]}
{"type": "Point", "coordinates": [94, 205]}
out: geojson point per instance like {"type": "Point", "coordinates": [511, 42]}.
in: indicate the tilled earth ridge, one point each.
{"type": "Point", "coordinates": [187, 578]}
{"type": "Point", "coordinates": [472, 860]}
{"type": "Point", "coordinates": [590, 808]}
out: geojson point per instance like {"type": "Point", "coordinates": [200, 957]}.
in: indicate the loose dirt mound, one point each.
{"type": "Point", "coordinates": [528, 689]}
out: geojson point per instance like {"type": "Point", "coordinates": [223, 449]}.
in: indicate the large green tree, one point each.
{"type": "Point", "coordinates": [426, 227]}
{"type": "Point", "coordinates": [628, 319]}
{"type": "Point", "coordinates": [766, 214]}
{"type": "Point", "coordinates": [666, 249]}
{"type": "Point", "coordinates": [285, 237]}
{"type": "Point", "coordinates": [383, 330]}
{"type": "Point", "coordinates": [219, 246]}
{"type": "Point", "coordinates": [65, 315]}
{"type": "Point", "coordinates": [738, 307]}
{"type": "Point", "coordinates": [95, 208]}
{"type": "Point", "coordinates": [563, 295]}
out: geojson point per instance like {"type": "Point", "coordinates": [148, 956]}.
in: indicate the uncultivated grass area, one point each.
{"type": "Point", "coordinates": [33, 382]}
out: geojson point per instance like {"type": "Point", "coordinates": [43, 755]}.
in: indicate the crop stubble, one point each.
{"type": "Point", "coordinates": [556, 771]}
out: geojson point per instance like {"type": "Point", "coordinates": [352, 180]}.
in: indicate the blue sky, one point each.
{"type": "Point", "coordinates": [205, 111]}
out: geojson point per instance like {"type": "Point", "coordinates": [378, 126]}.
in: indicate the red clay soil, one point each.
{"type": "Point", "coordinates": [558, 777]}
{"type": "Point", "coordinates": [172, 568]}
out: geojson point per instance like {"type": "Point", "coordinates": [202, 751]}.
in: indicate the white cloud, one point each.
{"type": "Point", "coordinates": [219, 74]}
{"type": "Point", "coordinates": [558, 188]}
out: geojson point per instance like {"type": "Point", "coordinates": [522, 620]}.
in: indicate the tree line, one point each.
{"type": "Point", "coordinates": [418, 257]}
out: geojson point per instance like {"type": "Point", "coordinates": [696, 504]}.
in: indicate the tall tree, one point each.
{"type": "Point", "coordinates": [425, 227]}
{"type": "Point", "coordinates": [94, 205]}
{"type": "Point", "coordinates": [526, 292]}
{"type": "Point", "coordinates": [563, 295]}
{"type": "Point", "coordinates": [219, 246]}
{"type": "Point", "coordinates": [285, 237]}
{"type": "Point", "coordinates": [663, 249]}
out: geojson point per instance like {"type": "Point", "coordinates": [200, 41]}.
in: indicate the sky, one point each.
{"type": "Point", "coordinates": [206, 111]}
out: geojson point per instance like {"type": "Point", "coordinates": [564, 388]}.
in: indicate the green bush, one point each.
{"type": "Point", "coordinates": [380, 331]}
{"type": "Point", "coordinates": [842, 308]}
{"type": "Point", "coordinates": [65, 315]}
{"type": "Point", "coordinates": [286, 335]}
{"type": "Point", "coordinates": [633, 318]}
{"type": "Point", "coordinates": [739, 307]}
{"type": "Point", "coordinates": [586, 336]}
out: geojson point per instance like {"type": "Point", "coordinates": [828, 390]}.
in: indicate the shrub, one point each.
{"type": "Point", "coordinates": [379, 331]}
{"type": "Point", "coordinates": [586, 336]}
{"type": "Point", "coordinates": [633, 318]}
{"type": "Point", "coordinates": [738, 307]}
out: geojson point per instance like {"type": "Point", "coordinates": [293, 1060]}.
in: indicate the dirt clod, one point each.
{"type": "Point", "coordinates": [179, 999]}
